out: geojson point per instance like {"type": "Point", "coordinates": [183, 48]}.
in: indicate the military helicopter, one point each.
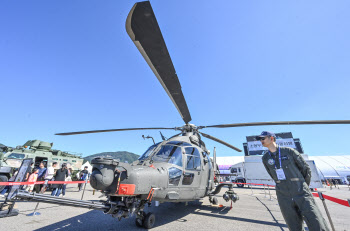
{"type": "Point", "coordinates": [177, 169]}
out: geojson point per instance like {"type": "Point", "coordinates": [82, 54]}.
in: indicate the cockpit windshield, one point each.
{"type": "Point", "coordinates": [148, 152]}
{"type": "Point", "coordinates": [169, 154]}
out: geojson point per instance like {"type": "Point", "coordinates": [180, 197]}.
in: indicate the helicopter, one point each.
{"type": "Point", "coordinates": [177, 169]}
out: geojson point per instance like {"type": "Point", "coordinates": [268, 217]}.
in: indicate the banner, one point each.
{"type": "Point", "coordinates": [257, 146]}
{"type": "Point", "coordinates": [283, 139]}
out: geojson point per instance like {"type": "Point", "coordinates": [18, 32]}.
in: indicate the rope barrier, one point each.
{"type": "Point", "coordinates": [335, 200]}
{"type": "Point", "coordinates": [42, 182]}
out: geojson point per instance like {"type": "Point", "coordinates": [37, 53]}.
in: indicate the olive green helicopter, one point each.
{"type": "Point", "coordinates": [177, 169]}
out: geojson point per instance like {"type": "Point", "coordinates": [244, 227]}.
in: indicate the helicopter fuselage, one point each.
{"type": "Point", "coordinates": [170, 171]}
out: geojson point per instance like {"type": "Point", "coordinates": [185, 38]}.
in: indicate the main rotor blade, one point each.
{"type": "Point", "coordinates": [278, 123]}
{"type": "Point", "coordinates": [220, 141]}
{"type": "Point", "coordinates": [109, 130]}
{"type": "Point", "coordinates": [144, 31]}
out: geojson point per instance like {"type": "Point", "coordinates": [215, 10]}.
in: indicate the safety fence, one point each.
{"type": "Point", "coordinates": [333, 199]}
{"type": "Point", "coordinates": [41, 182]}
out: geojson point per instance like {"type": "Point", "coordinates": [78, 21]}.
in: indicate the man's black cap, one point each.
{"type": "Point", "coordinates": [265, 133]}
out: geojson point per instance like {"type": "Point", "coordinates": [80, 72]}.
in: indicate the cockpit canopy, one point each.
{"type": "Point", "coordinates": [172, 152]}
{"type": "Point", "coordinates": [169, 154]}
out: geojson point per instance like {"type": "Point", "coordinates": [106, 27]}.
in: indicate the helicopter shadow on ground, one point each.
{"type": "Point", "coordinates": [165, 213]}
{"type": "Point", "coordinates": [96, 220]}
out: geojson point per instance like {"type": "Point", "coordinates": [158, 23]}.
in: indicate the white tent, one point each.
{"type": "Point", "coordinates": [335, 167]}
{"type": "Point", "coordinates": [88, 165]}
{"type": "Point", "coordinates": [225, 163]}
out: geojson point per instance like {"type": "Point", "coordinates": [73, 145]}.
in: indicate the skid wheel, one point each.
{"type": "Point", "coordinates": [215, 201]}
{"type": "Point", "coordinates": [139, 221]}
{"type": "Point", "coordinates": [149, 220]}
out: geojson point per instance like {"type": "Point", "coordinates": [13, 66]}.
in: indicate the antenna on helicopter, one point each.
{"type": "Point", "coordinates": [163, 137]}
{"type": "Point", "coordinates": [148, 137]}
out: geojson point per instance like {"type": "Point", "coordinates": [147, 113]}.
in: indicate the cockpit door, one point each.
{"type": "Point", "coordinates": [191, 179]}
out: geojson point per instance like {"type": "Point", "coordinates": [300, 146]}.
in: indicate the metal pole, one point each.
{"type": "Point", "coordinates": [251, 188]}
{"type": "Point", "coordinates": [268, 187]}
{"type": "Point", "coordinates": [325, 207]}
{"type": "Point", "coordinates": [34, 213]}
{"type": "Point", "coordinates": [264, 190]}
{"type": "Point", "coordinates": [82, 195]}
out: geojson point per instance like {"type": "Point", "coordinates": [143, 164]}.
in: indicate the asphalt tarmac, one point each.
{"type": "Point", "coordinates": [253, 211]}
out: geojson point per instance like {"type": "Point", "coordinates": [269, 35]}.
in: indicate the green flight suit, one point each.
{"type": "Point", "coordinates": [294, 196]}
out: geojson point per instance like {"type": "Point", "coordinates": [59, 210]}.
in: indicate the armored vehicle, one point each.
{"type": "Point", "coordinates": [40, 151]}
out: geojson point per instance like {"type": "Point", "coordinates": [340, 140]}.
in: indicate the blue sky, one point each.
{"type": "Point", "coordinates": [70, 66]}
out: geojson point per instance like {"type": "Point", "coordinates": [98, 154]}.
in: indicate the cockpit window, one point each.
{"type": "Point", "coordinates": [193, 159]}
{"type": "Point", "coordinates": [16, 156]}
{"type": "Point", "coordinates": [175, 142]}
{"type": "Point", "coordinates": [179, 143]}
{"type": "Point", "coordinates": [148, 152]}
{"type": "Point", "coordinates": [169, 154]}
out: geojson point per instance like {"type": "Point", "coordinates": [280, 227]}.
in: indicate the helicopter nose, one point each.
{"type": "Point", "coordinates": [104, 174]}
{"type": "Point", "coordinates": [101, 181]}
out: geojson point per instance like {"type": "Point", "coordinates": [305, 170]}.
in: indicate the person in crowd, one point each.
{"type": "Point", "coordinates": [83, 176]}
{"type": "Point", "coordinates": [292, 176]}
{"type": "Point", "coordinates": [49, 176]}
{"type": "Point", "coordinates": [2, 193]}
{"type": "Point", "coordinates": [60, 175]}
{"type": "Point", "coordinates": [68, 178]}
{"type": "Point", "coordinates": [29, 171]}
{"type": "Point", "coordinates": [15, 171]}
{"type": "Point", "coordinates": [32, 178]}
{"type": "Point", "coordinates": [41, 177]}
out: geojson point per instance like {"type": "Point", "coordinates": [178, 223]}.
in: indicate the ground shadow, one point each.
{"type": "Point", "coordinates": [166, 213]}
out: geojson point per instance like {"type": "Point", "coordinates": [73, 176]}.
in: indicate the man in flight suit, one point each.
{"type": "Point", "coordinates": [292, 176]}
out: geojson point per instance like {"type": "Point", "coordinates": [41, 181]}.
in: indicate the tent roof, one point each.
{"type": "Point", "coordinates": [332, 166]}
{"type": "Point", "coordinates": [87, 164]}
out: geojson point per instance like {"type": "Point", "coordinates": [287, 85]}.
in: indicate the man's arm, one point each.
{"type": "Point", "coordinates": [302, 165]}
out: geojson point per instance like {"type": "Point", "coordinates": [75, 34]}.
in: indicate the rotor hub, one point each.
{"type": "Point", "coordinates": [188, 128]}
